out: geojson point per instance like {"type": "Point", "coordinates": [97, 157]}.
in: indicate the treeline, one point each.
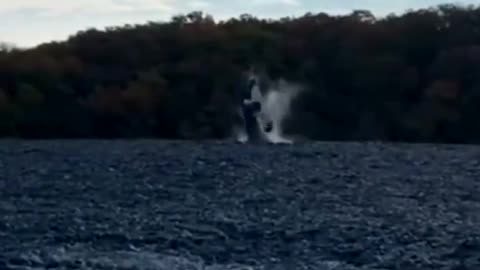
{"type": "Point", "coordinates": [408, 77]}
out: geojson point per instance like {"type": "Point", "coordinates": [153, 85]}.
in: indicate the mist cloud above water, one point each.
{"type": "Point", "coordinates": [278, 102]}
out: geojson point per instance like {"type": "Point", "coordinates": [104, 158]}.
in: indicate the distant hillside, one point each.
{"type": "Point", "coordinates": [408, 77]}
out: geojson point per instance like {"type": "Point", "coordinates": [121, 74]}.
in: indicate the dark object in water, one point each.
{"type": "Point", "coordinates": [268, 126]}
{"type": "Point", "coordinates": [254, 123]}
{"type": "Point", "coordinates": [249, 112]}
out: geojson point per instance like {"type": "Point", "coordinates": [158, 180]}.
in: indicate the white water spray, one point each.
{"type": "Point", "coordinates": [276, 107]}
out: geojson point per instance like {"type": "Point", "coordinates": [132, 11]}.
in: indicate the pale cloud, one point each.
{"type": "Point", "coordinates": [30, 22]}
{"type": "Point", "coordinates": [57, 8]}
{"type": "Point", "coordinates": [277, 2]}
{"type": "Point", "coordinates": [199, 4]}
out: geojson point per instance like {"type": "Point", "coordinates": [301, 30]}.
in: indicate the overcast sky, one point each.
{"type": "Point", "coordinates": [30, 22]}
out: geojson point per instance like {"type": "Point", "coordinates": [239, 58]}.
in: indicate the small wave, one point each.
{"type": "Point", "coordinates": [84, 258]}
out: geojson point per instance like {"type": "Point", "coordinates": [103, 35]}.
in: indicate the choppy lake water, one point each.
{"type": "Point", "coordinates": [217, 205]}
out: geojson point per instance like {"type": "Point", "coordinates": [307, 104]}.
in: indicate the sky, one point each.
{"type": "Point", "coordinates": [27, 23]}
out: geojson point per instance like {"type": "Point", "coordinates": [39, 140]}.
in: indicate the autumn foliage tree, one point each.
{"type": "Point", "coordinates": [408, 77]}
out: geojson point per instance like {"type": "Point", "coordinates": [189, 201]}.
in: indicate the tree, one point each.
{"type": "Point", "coordinates": [6, 121]}
{"type": "Point", "coordinates": [406, 77]}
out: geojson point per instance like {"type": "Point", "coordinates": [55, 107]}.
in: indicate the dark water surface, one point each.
{"type": "Point", "coordinates": [178, 206]}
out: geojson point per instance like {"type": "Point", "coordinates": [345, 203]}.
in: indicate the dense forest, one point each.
{"type": "Point", "coordinates": [411, 77]}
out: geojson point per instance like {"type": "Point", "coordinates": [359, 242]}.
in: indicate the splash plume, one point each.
{"type": "Point", "coordinates": [272, 106]}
